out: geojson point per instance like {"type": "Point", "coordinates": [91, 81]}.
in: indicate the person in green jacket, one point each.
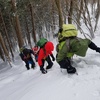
{"type": "Point", "coordinates": [70, 44]}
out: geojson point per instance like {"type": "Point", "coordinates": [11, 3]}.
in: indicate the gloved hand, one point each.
{"type": "Point", "coordinates": [53, 58]}
{"type": "Point", "coordinates": [98, 50]}
{"type": "Point", "coordinates": [43, 70]}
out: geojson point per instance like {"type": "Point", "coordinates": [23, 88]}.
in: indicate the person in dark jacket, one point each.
{"type": "Point", "coordinates": [25, 55]}
{"type": "Point", "coordinates": [44, 55]}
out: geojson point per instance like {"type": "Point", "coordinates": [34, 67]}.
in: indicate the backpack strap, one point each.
{"type": "Point", "coordinates": [68, 41]}
{"type": "Point", "coordinates": [68, 44]}
{"type": "Point", "coordinates": [43, 47]}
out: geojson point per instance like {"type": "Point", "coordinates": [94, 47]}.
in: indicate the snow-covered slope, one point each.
{"type": "Point", "coordinates": [19, 84]}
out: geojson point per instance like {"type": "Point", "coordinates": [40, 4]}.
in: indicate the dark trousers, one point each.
{"type": "Point", "coordinates": [29, 61]}
{"type": "Point", "coordinates": [50, 63]}
{"type": "Point", "coordinates": [65, 63]}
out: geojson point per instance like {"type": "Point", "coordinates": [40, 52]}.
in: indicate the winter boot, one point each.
{"type": "Point", "coordinates": [43, 70]}
{"type": "Point", "coordinates": [27, 66]}
{"type": "Point", "coordinates": [33, 66]}
{"type": "Point", "coordinates": [71, 70]}
{"type": "Point", "coordinates": [49, 66]}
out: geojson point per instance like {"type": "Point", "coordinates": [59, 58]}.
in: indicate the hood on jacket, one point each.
{"type": "Point", "coordinates": [49, 46]}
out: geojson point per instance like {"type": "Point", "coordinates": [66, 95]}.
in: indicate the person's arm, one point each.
{"type": "Point", "coordinates": [31, 51]}
{"type": "Point", "coordinates": [40, 57]}
{"type": "Point", "coordinates": [41, 61]}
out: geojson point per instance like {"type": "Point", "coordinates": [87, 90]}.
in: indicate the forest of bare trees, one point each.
{"type": "Point", "coordinates": [23, 22]}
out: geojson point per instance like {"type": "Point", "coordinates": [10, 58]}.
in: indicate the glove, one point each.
{"type": "Point", "coordinates": [53, 58]}
{"type": "Point", "coordinates": [43, 70]}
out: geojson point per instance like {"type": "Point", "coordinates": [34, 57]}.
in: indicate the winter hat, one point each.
{"type": "Point", "coordinates": [35, 49]}
{"type": "Point", "coordinates": [22, 48]}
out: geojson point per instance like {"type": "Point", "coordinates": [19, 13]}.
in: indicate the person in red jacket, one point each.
{"type": "Point", "coordinates": [45, 53]}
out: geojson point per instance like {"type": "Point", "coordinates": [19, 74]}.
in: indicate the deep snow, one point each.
{"type": "Point", "coordinates": [17, 83]}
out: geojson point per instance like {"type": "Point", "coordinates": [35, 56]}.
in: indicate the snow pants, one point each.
{"type": "Point", "coordinates": [65, 64]}
{"type": "Point", "coordinates": [50, 63]}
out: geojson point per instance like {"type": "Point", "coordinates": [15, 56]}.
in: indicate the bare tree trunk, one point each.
{"type": "Point", "coordinates": [89, 20]}
{"type": "Point", "coordinates": [18, 28]}
{"type": "Point", "coordinates": [40, 30]}
{"type": "Point", "coordinates": [70, 12]}
{"type": "Point", "coordinates": [52, 15]}
{"type": "Point", "coordinates": [80, 12]}
{"type": "Point", "coordinates": [9, 42]}
{"type": "Point", "coordinates": [97, 14]}
{"type": "Point", "coordinates": [66, 11]}
{"type": "Point", "coordinates": [28, 33]}
{"type": "Point", "coordinates": [58, 4]}
{"type": "Point", "coordinates": [13, 28]}
{"type": "Point", "coordinates": [1, 54]}
{"type": "Point", "coordinates": [32, 16]}
{"type": "Point", "coordinates": [4, 49]}
{"type": "Point", "coordinates": [13, 38]}
{"type": "Point", "coordinates": [93, 2]}
{"type": "Point", "coordinates": [19, 34]}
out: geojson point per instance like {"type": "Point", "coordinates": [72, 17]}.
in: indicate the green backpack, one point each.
{"type": "Point", "coordinates": [42, 42]}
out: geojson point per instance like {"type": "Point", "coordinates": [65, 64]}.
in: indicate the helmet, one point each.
{"type": "Point", "coordinates": [35, 49]}
{"type": "Point", "coordinates": [22, 48]}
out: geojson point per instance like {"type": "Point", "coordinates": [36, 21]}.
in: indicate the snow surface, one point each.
{"type": "Point", "coordinates": [17, 83]}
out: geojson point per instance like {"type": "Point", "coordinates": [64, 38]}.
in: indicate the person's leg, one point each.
{"type": "Point", "coordinates": [27, 65]}
{"type": "Point", "coordinates": [94, 47]}
{"type": "Point", "coordinates": [65, 63]}
{"type": "Point", "coordinates": [42, 67]}
{"type": "Point", "coordinates": [50, 63]}
{"type": "Point", "coordinates": [32, 63]}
